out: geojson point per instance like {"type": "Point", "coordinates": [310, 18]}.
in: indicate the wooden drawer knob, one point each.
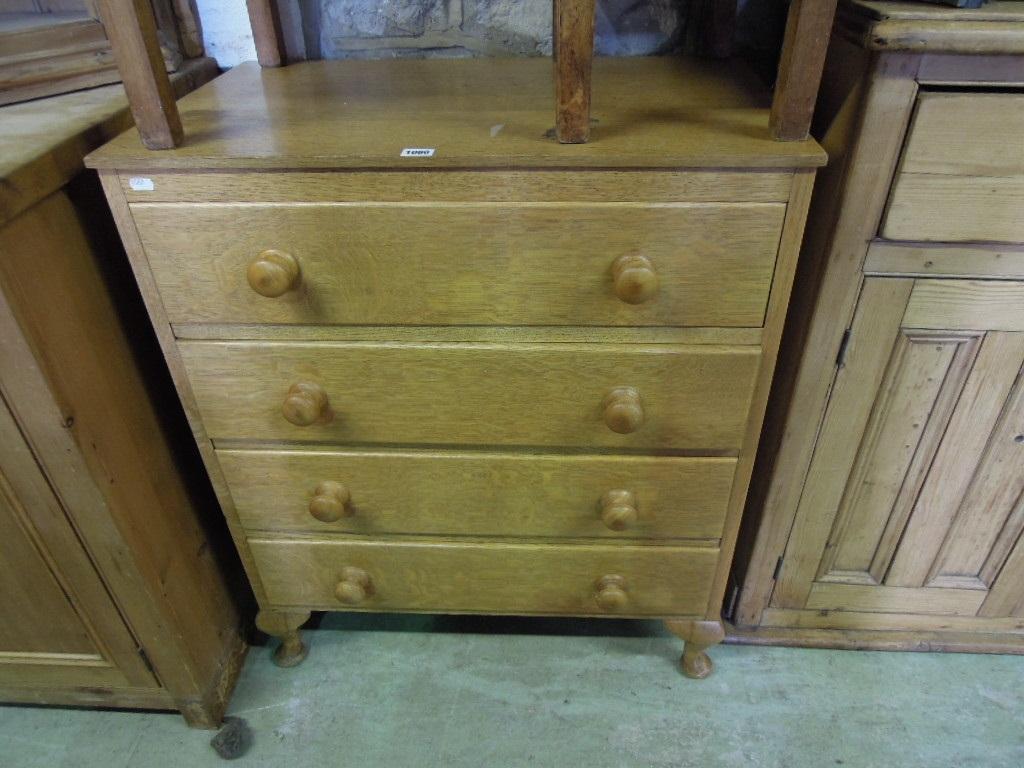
{"type": "Point", "coordinates": [330, 502]}
{"type": "Point", "coordinates": [610, 593]}
{"type": "Point", "coordinates": [305, 404]}
{"type": "Point", "coordinates": [354, 587]}
{"type": "Point", "coordinates": [635, 278]}
{"type": "Point", "coordinates": [273, 273]}
{"type": "Point", "coordinates": [623, 412]}
{"type": "Point", "coordinates": [618, 509]}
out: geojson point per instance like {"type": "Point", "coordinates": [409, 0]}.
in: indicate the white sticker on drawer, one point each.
{"type": "Point", "coordinates": [140, 184]}
{"type": "Point", "coordinates": [417, 152]}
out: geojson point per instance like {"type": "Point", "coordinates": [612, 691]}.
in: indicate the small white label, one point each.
{"type": "Point", "coordinates": [417, 152]}
{"type": "Point", "coordinates": [140, 184]}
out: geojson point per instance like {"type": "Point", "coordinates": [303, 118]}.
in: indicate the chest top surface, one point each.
{"type": "Point", "coordinates": [473, 113]}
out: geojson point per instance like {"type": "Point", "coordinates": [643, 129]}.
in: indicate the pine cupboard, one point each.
{"type": "Point", "coordinates": [887, 510]}
{"type": "Point", "coordinates": [114, 591]}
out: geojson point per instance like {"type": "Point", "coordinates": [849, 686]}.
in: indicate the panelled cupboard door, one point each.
{"type": "Point", "coordinates": [914, 500]}
{"type": "Point", "coordinates": [59, 626]}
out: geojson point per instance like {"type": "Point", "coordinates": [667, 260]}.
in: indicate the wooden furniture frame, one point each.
{"type": "Point", "coordinates": [132, 31]}
{"type": "Point", "coordinates": [116, 591]}
{"type": "Point", "coordinates": [62, 46]}
{"type": "Point", "coordinates": [889, 247]}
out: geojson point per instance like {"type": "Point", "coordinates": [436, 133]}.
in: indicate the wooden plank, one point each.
{"type": "Point", "coordinates": [520, 264]}
{"type": "Point", "coordinates": [475, 577]}
{"type": "Point", "coordinates": [480, 494]}
{"type": "Point", "coordinates": [855, 186]}
{"type": "Point", "coordinates": [882, 599]}
{"type": "Point", "coordinates": [954, 467]}
{"type": "Point", "coordinates": [922, 384]}
{"type": "Point", "coordinates": [132, 32]}
{"type": "Point", "coordinates": [266, 32]}
{"type": "Point", "coordinates": [480, 113]}
{"type": "Point", "coordinates": [966, 134]}
{"type": "Point", "coordinates": [535, 186]}
{"type": "Point", "coordinates": [189, 28]}
{"type": "Point", "coordinates": [693, 398]}
{"type": "Point", "coordinates": [993, 305]}
{"type": "Point", "coordinates": [495, 333]}
{"type": "Point", "coordinates": [800, 66]}
{"type": "Point", "coordinates": [775, 318]}
{"type": "Point", "coordinates": [967, 37]}
{"type": "Point", "coordinates": [40, 153]}
{"type": "Point", "coordinates": [1005, 598]}
{"type": "Point", "coordinates": [958, 69]}
{"type": "Point", "coordinates": [945, 260]}
{"type": "Point", "coordinates": [874, 331]}
{"type": "Point", "coordinates": [573, 53]}
{"type": "Point", "coordinates": [867, 640]}
{"type": "Point", "coordinates": [888, 622]}
{"type": "Point", "coordinates": [109, 453]}
{"type": "Point", "coordinates": [144, 278]}
{"type": "Point", "coordinates": [991, 518]}
{"type": "Point", "coordinates": [954, 208]}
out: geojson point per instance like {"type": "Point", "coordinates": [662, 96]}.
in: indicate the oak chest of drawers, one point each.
{"type": "Point", "coordinates": [504, 375]}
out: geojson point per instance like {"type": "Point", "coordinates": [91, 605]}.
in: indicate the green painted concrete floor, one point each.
{"type": "Point", "coordinates": [394, 691]}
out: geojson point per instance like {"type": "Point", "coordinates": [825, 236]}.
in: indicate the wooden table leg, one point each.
{"type": "Point", "coordinates": [266, 32]}
{"type": "Point", "coordinates": [573, 41]}
{"type": "Point", "coordinates": [697, 637]}
{"type": "Point", "coordinates": [800, 65]}
{"type": "Point", "coordinates": [131, 28]}
{"type": "Point", "coordinates": [285, 626]}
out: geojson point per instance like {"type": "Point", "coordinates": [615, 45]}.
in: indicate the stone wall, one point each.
{"type": "Point", "coordinates": [454, 28]}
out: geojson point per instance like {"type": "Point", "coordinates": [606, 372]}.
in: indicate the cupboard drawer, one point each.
{"type": "Point", "coordinates": [479, 494]}
{"type": "Point", "coordinates": [672, 396]}
{"type": "Point", "coordinates": [495, 578]}
{"type": "Point", "coordinates": [962, 173]}
{"type": "Point", "coordinates": [466, 264]}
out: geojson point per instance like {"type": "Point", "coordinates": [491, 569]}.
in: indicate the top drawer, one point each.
{"type": "Point", "coordinates": [468, 263]}
{"type": "Point", "coordinates": [962, 173]}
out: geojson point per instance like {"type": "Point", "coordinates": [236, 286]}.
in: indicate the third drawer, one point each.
{"type": "Point", "coordinates": [479, 493]}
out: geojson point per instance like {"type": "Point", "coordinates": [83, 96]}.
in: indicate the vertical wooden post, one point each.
{"type": "Point", "coordinates": [131, 28]}
{"type": "Point", "coordinates": [573, 43]}
{"type": "Point", "coordinates": [803, 57]}
{"type": "Point", "coordinates": [714, 24]}
{"type": "Point", "coordinates": [266, 32]}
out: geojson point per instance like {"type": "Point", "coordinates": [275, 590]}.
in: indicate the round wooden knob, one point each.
{"type": "Point", "coordinates": [273, 273]}
{"type": "Point", "coordinates": [305, 404]}
{"type": "Point", "coordinates": [610, 593]}
{"type": "Point", "coordinates": [354, 587]}
{"type": "Point", "coordinates": [618, 509]}
{"type": "Point", "coordinates": [330, 502]}
{"type": "Point", "coordinates": [635, 278]}
{"type": "Point", "coordinates": [623, 412]}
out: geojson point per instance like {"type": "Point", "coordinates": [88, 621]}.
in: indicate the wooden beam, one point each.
{"type": "Point", "coordinates": [800, 65]}
{"type": "Point", "coordinates": [714, 23]}
{"type": "Point", "coordinates": [573, 41]}
{"type": "Point", "coordinates": [266, 32]}
{"type": "Point", "coordinates": [131, 28]}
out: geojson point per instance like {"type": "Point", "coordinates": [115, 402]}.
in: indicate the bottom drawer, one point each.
{"type": "Point", "coordinates": [447, 577]}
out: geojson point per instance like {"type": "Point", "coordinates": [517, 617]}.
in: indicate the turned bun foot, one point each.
{"type": "Point", "coordinates": [291, 652]}
{"type": "Point", "coordinates": [284, 625]}
{"type": "Point", "coordinates": [696, 664]}
{"type": "Point", "coordinates": [697, 637]}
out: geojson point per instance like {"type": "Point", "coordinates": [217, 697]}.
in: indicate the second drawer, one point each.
{"type": "Point", "coordinates": [655, 396]}
{"type": "Point", "coordinates": [474, 494]}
